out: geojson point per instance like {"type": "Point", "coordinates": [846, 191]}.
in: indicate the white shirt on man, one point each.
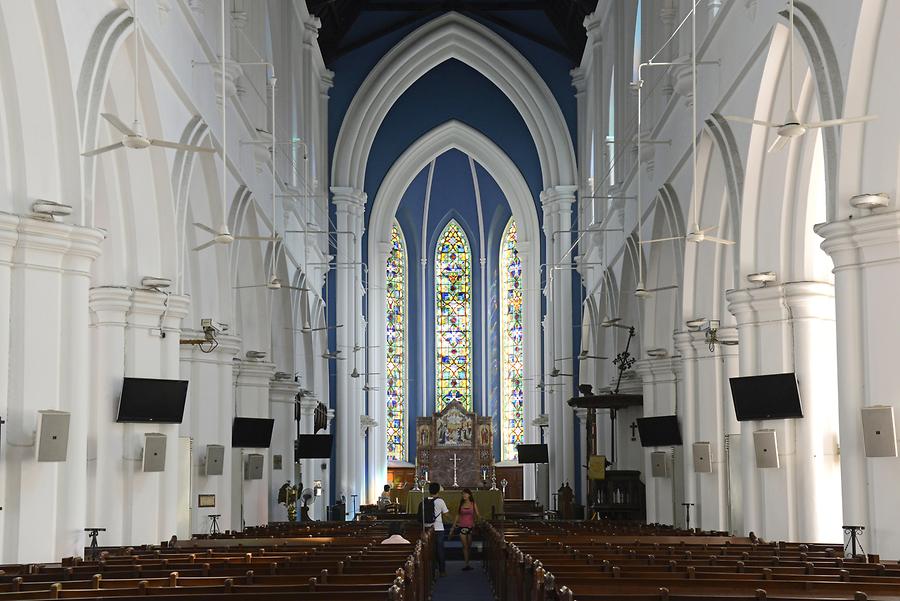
{"type": "Point", "coordinates": [440, 508]}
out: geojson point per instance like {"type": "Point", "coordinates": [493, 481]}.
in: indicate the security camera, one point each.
{"type": "Point", "coordinates": [211, 324]}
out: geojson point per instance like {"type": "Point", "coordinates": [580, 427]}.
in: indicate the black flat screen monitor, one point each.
{"type": "Point", "coordinates": [151, 400]}
{"type": "Point", "coordinates": [251, 432]}
{"type": "Point", "coordinates": [660, 431]}
{"type": "Point", "coordinates": [533, 453]}
{"type": "Point", "coordinates": [773, 396]}
{"type": "Point", "coordinates": [314, 446]}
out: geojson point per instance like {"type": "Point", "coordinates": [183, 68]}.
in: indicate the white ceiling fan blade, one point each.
{"type": "Point", "coordinates": [177, 146]}
{"type": "Point", "coordinates": [662, 240]}
{"type": "Point", "coordinates": [252, 286]}
{"type": "Point", "coordinates": [206, 228]}
{"type": "Point", "coordinates": [296, 288]}
{"type": "Point", "coordinates": [834, 122]}
{"type": "Point", "coordinates": [707, 229]}
{"type": "Point", "coordinates": [779, 143]}
{"type": "Point", "coordinates": [661, 288]}
{"type": "Point", "coordinates": [203, 246]}
{"type": "Point", "coordinates": [750, 121]}
{"type": "Point", "coordinates": [718, 240]}
{"type": "Point", "coordinates": [593, 357]}
{"type": "Point", "coordinates": [257, 238]}
{"type": "Point", "coordinates": [118, 124]}
{"type": "Point", "coordinates": [101, 150]}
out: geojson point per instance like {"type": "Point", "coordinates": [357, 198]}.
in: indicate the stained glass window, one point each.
{"type": "Point", "coordinates": [395, 345]}
{"type": "Point", "coordinates": [512, 356]}
{"type": "Point", "coordinates": [453, 317]}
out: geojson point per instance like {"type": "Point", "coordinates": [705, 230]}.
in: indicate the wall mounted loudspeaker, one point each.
{"type": "Point", "coordinates": [52, 435]}
{"type": "Point", "coordinates": [215, 459]}
{"type": "Point", "coordinates": [702, 457]}
{"type": "Point", "coordinates": [253, 467]}
{"type": "Point", "coordinates": [766, 444]}
{"type": "Point", "coordinates": [659, 465]}
{"type": "Point", "coordinates": [154, 452]}
{"type": "Point", "coordinates": [878, 431]}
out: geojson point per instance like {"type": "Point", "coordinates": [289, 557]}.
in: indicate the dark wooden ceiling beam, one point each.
{"type": "Point", "coordinates": [525, 33]}
{"type": "Point", "coordinates": [379, 33]}
{"type": "Point", "coordinates": [488, 5]}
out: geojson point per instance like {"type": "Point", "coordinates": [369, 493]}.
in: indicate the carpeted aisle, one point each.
{"type": "Point", "coordinates": [458, 585]}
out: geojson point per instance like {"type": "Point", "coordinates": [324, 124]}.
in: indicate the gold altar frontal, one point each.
{"type": "Point", "coordinates": [489, 502]}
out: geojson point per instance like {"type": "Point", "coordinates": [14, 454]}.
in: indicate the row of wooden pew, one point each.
{"type": "Point", "coordinates": [284, 563]}
{"type": "Point", "coordinates": [597, 561]}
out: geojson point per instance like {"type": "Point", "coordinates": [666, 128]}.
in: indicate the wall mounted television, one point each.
{"type": "Point", "coordinates": [770, 396]}
{"type": "Point", "coordinates": [152, 400]}
{"type": "Point", "coordinates": [659, 431]}
{"type": "Point", "coordinates": [251, 432]}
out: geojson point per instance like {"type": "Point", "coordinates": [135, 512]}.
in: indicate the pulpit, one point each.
{"type": "Point", "coordinates": [455, 447]}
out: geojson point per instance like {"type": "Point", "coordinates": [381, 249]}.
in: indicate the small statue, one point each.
{"type": "Point", "coordinates": [287, 496]}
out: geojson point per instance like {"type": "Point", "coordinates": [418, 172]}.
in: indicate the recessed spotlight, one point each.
{"type": "Point", "coordinates": [48, 209]}
{"type": "Point", "coordinates": [695, 324]}
{"type": "Point", "coordinates": [870, 201]}
{"type": "Point", "coordinates": [763, 277]}
{"type": "Point", "coordinates": [155, 283]}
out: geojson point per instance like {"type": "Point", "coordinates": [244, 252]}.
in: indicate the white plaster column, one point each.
{"type": "Point", "coordinates": [349, 208]}
{"type": "Point", "coordinates": [783, 328]}
{"type": "Point", "coordinates": [659, 379]}
{"type": "Point", "coordinates": [208, 416]}
{"type": "Point", "coordinates": [557, 204]}
{"type": "Point", "coordinates": [704, 386]}
{"type": "Point", "coordinates": [581, 415]}
{"type": "Point", "coordinates": [253, 379]}
{"type": "Point", "coordinates": [48, 273]}
{"type": "Point", "coordinates": [282, 407]}
{"type": "Point", "coordinates": [687, 407]}
{"type": "Point", "coordinates": [8, 237]}
{"type": "Point", "coordinates": [109, 307]}
{"type": "Point", "coordinates": [377, 463]}
{"type": "Point", "coordinates": [531, 345]}
{"type": "Point", "coordinates": [866, 255]}
{"type": "Point", "coordinates": [309, 471]}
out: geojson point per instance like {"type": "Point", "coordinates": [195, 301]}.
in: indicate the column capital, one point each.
{"type": "Point", "coordinates": [326, 81]}
{"type": "Point", "coordinates": [345, 195]}
{"type": "Point", "coordinates": [253, 374]}
{"type": "Point", "coordinates": [578, 80]}
{"type": "Point", "coordinates": [852, 243]}
{"type": "Point", "coordinates": [43, 244]}
{"type": "Point", "coordinates": [593, 26]}
{"type": "Point", "coordinates": [689, 343]}
{"type": "Point", "coordinates": [109, 305]}
{"type": "Point", "coordinates": [8, 235]}
{"type": "Point", "coordinates": [782, 302]}
{"type": "Point", "coordinates": [308, 406]}
{"type": "Point", "coordinates": [223, 354]}
{"type": "Point", "coordinates": [659, 370]}
{"type": "Point", "coordinates": [558, 198]}
{"type": "Point", "coordinates": [283, 390]}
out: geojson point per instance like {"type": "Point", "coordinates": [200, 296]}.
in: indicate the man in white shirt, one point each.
{"type": "Point", "coordinates": [436, 523]}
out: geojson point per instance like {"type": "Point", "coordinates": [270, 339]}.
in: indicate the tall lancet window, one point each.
{"type": "Point", "coordinates": [453, 317]}
{"type": "Point", "coordinates": [396, 346]}
{"type": "Point", "coordinates": [512, 354]}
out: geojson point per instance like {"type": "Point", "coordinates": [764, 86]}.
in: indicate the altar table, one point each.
{"type": "Point", "coordinates": [489, 502]}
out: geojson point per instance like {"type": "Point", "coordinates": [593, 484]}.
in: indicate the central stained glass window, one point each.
{"type": "Point", "coordinates": [396, 346]}
{"type": "Point", "coordinates": [512, 355]}
{"type": "Point", "coordinates": [453, 318]}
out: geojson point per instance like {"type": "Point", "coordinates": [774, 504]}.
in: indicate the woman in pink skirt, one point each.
{"type": "Point", "coordinates": [466, 515]}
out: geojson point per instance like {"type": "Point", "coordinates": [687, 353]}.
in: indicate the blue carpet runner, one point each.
{"type": "Point", "coordinates": [458, 585]}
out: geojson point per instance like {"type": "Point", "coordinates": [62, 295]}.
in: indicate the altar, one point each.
{"type": "Point", "coordinates": [455, 448]}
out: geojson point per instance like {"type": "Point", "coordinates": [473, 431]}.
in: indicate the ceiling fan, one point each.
{"type": "Point", "coordinates": [333, 355]}
{"type": "Point", "coordinates": [273, 284]}
{"type": "Point", "coordinates": [134, 137]}
{"type": "Point", "coordinates": [792, 127]}
{"type": "Point", "coordinates": [584, 355]}
{"type": "Point", "coordinates": [223, 236]}
{"type": "Point", "coordinates": [306, 329]}
{"type": "Point", "coordinates": [641, 292]}
{"type": "Point", "coordinates": [696, 234]}
{"type": "Point", "coordinates": [555, 372]}
{"type": "Point", "coordinates": [356, 373]}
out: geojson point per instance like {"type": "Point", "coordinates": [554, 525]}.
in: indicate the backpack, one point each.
{"type": "Point", "coordinates": [427, 512]}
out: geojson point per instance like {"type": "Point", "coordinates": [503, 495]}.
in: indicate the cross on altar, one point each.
{"type": "Point", "coordinates": [633, 427]}
{"type": "Point", "coordinates": [455, 460]}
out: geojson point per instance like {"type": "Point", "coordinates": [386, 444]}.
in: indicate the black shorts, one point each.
{"type": "Point", "coordinates": [465, 530]}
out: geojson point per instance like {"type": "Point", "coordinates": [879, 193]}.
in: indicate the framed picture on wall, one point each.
{"type": "Point", "coordinates": [206, 500]}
